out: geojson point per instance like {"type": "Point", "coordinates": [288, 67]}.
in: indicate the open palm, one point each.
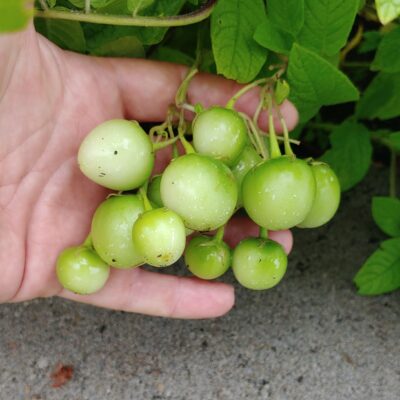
{"type": "Point", "coordinates": [49, 100]}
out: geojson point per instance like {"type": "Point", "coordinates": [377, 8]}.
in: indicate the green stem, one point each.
{"type": "Point", "coordinates": [352, 43]}
{"type": "Point", "coordinates": [157, 129]}
{"type": "Point", "coordinates": [252, 139]}
{"type": "Point", "coordinates": [281, 139]}
{"type": "Point", "coordinates": [188, 107]}
{"type": "Point", "coordinates": [260, 106]}
{"type": "Point", "coordinates": [174, 20]}
{"type": "Point", "coordinates": [181, 94]}
{"type": "Point", "coordinates": [186, 145]}
{"type": "Point", "coordinates": [274, 149]}
{"type": "Point", "coordinates": [164, 143]}
{"type": "Point", "coordinates": [231, 102]}
{"type": "Point", "coordinates": [263, 233]}
{"type": "Point", "coordinates": [143, 193]}
{"type": "Point", "coordinates": [175, 152]}
{"type": "Point", "coordinates": [181, 134]}
{"type": "Point", "coordinates": [88, 241]}
{"type": "Point", "coordinates": [393, 175]}
{"type": "Point", "coordinates": [171, 114]}
{"type": "Point", "coordinates": [219, 236]}
{"type": "Point", "coordinates": [44, 5]}
{"type": "Point", "coordinates": [369, 13]}
{"type": "Point", "coordinates": [170, 130]}
{"type": "Point", "coordinates": [180, 97]}
{"type": "Point", "coordinates": [260, 143]}
{"type": "Point", "coordinates": [286, 143]}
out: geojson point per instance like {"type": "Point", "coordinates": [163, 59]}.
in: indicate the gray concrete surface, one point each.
{"type": "Point", "coordinates": [311, 337]}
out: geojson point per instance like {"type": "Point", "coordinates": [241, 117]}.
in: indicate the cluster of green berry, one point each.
{"type": "Point", "coordinates": [229, 164]}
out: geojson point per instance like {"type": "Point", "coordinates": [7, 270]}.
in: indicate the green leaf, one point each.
{"type": "Point", "coordinates": [394, 141]}
{"type": "Point", "coordinates": [387, 57]}
{"type": "Point", "coordinates": [150, 36]}
{"type": "Point", "coordinates": [115, 7]}
{"type": "Point", "coordinates": [350, 155]}
{"type": "Point", "coordinates": [286, 15]}
{"type": "Point", "coordinates": [381, 99]}
{"type": "Point", "coordinates": [386, 214]}
{"type": "Point", "coordinates": [381, 272]}
{"type": "Point", "coordinates": [315, 82]}
{"type": "Point", "coordinates": [281, 91]}
{"type": "Point", "coordinates": [207, 63]}
{"type": "Point", "coordinates": [93, 3]}
{"type": "Point", "coordinates": [172, 55]}
{"type": "Point", "coordinates": [327, 24]}
{"type": "Point", "coordinates": [270, 37]}
{"type": "Point", "coordinates": [233, 23]}
{"type": "Point", "coordinates": [126, 46]}
{"type": "Point", "coordinates": [136, 6]}
{"type": "Point", "coordinates": [14, 15]}
{"type": "Point", "coordinates": [371, 40]}
{"type": "Point", "coordinates": [65, 34]}
{"type": "Point", "coordinates": [333, 59]}
{"type": "Point", "coordinates": [387, 10]}
{"type": "Point", "coordinates": [147, 36]}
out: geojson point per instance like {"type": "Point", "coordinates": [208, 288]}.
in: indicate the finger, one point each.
{"type": "Point", "coordinates": [162, 159]}
{"type": "Point", "coordinates": [240, 227]}
{"type": "Point", "coordinates": [162, 295]}
{"type": "Point", "coordinates": [285, 238]}
{"type": "Point", "coordinates": [148, 87]}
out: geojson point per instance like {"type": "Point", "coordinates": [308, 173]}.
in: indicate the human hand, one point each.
{"type": "Point", "coordinates": [49, 100]}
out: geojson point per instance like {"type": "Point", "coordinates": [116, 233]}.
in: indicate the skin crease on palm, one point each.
{"type": "Point", "coordinates": [49, 100]}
